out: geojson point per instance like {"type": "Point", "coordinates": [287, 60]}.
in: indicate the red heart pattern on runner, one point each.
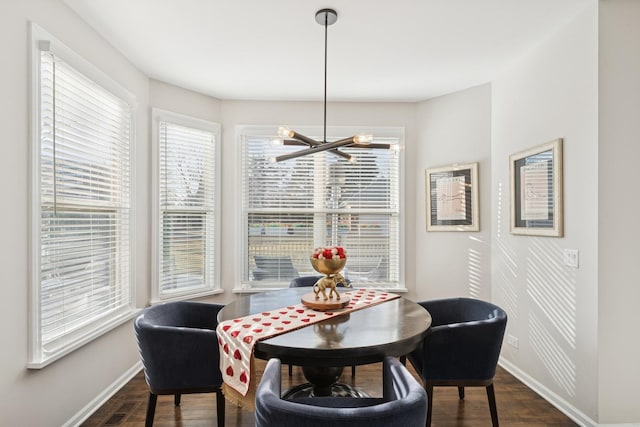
{"type": "Point", "coordinates": [237, 337]}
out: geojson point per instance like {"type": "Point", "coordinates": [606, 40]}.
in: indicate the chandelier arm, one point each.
{"type": "Point", "coordinates": [305, 140]}
{"type": "Point", "coordinates": [291, 142]}
{"type": "Point", "coordinates": [341, 142]}
{"type": "Point", "coordinates": [335, 151]}
{"type": "Point", "coordinates": [318, 148]}
{"type": "Point", "coordinates": [295, 142]}
{"type": "Point", "coordinates": [371, 145]}
{"type": "Point", "coordinates": [341, 154]}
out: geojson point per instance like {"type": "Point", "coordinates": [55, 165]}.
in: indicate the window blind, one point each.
{"type": "Point", "coordinates": [84, 174]}
{"type": "Point", "coordinates": [294, 206]}
{"type": "Point", "coordinates": [187, 194]}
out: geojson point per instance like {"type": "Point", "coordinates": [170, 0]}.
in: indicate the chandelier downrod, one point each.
{"type": "Point", "coordinates": [326, 24]}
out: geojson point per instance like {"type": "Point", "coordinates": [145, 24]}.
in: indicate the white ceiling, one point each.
{"type": "Point", "coordinates": [379, 50]}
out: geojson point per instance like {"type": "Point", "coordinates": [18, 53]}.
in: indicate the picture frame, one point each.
{"type": "Point", "coordinates": [452, 198]}
{"type": "Point", "coordinates": [536, 190]}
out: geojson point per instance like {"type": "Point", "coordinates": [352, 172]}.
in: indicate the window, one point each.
{"type": "Point", "coordinates": [185, 228]}
{"type": "Point", "coordinates": [81, 202]}
{"type": "Point", "coordinates": [291, 207]}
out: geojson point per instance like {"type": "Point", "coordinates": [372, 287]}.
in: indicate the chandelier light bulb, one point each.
{"type": "Point", "coordinates": [285, 133]}
{"type": "Point", "coordinates": [363, 139]}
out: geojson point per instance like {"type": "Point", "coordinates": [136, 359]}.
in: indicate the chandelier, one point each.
{"type": "Point", "coordinates": [324, 17]}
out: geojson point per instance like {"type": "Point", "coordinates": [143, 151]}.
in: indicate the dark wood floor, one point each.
{"type": "Point", "coordinates": [517, 404]}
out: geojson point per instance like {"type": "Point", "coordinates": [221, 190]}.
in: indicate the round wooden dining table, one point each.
{"type": "Point", "coordinates": [391, 328]}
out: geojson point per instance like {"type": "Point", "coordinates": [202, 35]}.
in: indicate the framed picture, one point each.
{"type": "Point", "coordinates": [536, 190]}
{"type": "Point", "coordinates": [452, 198]}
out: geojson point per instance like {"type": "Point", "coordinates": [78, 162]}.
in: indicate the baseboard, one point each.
{"type": "Point", "coordinates": [562, 405]}
{"type": "Point", "coordinates": [102, 398]}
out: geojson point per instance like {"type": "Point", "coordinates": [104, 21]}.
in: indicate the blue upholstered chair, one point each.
{"type": "Point", "coordinates": [308, 281]}
{"type": "Point", "coordinates": [462, 347]}
{"type": "Point", "coordinates": [179, 349]}
{"type": "Point", "coordinates": [404, 403]}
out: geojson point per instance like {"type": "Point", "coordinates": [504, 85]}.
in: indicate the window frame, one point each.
{"type": "Point", "coordinates": [38, 357]}
{"type": "Point", "coordinates": [213, 287]}
{"type": "Point", "coordinates": [243, 131]}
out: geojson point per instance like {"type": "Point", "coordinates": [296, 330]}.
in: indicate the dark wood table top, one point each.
{"type": "Point", "coordinates": [391, 328]}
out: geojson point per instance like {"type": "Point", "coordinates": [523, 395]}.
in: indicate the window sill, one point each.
{"type": "Point", "coordinates": [187, 296]}
{"type": "Point", "coordinates": [71, 346]}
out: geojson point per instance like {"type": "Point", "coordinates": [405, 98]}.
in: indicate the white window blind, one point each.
{"type": "Point", "coordinates": [291, 207]}
{"type": "Point", "coordinates": [83, 278]}
{"type": "Point", "coordinates": [187, 166]}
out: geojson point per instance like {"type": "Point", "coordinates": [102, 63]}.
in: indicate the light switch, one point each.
{"type": "Point", "coordinates": [571, 258]}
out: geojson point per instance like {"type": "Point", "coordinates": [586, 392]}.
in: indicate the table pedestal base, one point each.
{"type": "Point", "coordinates": [323, 382]}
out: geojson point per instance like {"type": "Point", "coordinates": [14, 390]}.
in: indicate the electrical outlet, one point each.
{"type": "Point", "coordinates": [571, 257]}
{"type": "Point", "coordinates": [512, 341]}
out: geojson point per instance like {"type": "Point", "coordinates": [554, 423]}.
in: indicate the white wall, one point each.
{"type": "Point", "coordinates": [551, 92]}
{"type": "Point", "coordinates": [171, 98]}
{"type": "Point", "coordinates": [454, 128]}
{"type": "Point", "coordinates": [618, 203]}
{"type": "Point", "coordinates": [51, 396]}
